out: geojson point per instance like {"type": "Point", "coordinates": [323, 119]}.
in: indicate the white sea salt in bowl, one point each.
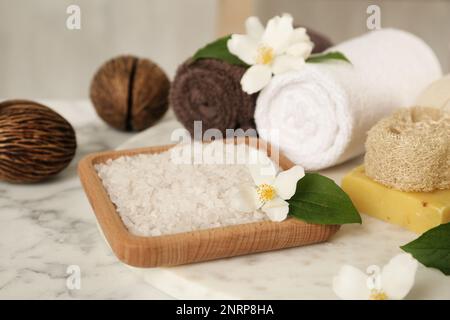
{"type": "Point", "coordinates": [187, 188]}
{"type": "Point", "coordinates": [192, 220]}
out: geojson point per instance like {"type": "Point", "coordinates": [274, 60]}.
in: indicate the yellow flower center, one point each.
{"type": "Point", "coordinates": [266, 192]}
{"type": "Point", "coordinates": [378, 295]}
{"type": "Point", "coordinates": [265, 55]}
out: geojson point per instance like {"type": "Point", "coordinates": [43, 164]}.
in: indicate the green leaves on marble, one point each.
{"type": "Point", "coordinates": [432, 248]}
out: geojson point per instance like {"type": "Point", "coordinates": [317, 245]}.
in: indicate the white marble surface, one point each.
{"type": "Point", "coordinates": [46, 227]}
{"type": "Point", "coordinates": [296, 273]}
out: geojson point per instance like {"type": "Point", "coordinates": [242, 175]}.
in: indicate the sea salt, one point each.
{"type": "Point", "coordinates": [155, 195]}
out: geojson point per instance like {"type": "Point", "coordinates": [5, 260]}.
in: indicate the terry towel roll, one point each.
{"type": "Point", "coordinates": [322, 112]}
{"type": "Point", "coordinates": [209, 90]}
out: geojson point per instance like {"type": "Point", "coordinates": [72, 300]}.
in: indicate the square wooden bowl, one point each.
{"type": "Point", "coordinates": [195, 246]}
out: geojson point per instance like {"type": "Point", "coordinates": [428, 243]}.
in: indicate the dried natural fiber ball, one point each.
{"type": "Point", "coordinates": [410, 150]}
{"type": "Point", "coordinates": [130, 93]}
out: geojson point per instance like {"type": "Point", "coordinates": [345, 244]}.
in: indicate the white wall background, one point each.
{"type": "Point", "coordinates": [343, 19]}
{"type": "Point", "coordinates": [40, 58]}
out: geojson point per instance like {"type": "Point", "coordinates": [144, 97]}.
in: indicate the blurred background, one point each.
{"type": "Point", "coordinates": [40, 58]}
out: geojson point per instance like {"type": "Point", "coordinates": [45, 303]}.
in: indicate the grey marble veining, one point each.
{"type": "Point", "coordinates": [46, 227]}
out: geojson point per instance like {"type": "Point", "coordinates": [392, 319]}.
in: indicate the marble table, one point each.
{"type": "Point", "coordinates": [47, 227]}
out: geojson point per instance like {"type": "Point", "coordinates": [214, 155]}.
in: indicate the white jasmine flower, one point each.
{"type": "Point", "coordinates": [270, 191]}
{"type": "Point", "coordinates": [276, 49]}
{"type": "Point", "coordinates": [393, 282]}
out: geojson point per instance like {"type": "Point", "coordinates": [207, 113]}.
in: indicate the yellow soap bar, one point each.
{"type": "Point", "coordinates": [416, 211]}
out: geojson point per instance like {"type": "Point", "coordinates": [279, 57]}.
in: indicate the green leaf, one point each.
{"type": "Point", "coordinates": [218, 50]}
{"type": "Point", "coordinates": [320, 200]}
{"type": "Point", "coordinates": [321, 57]}
{"type": "Point", "coordinates": [432, 248]}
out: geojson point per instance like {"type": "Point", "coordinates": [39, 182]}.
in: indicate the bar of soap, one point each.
{"type": "Point", "coordinates": [416, 211]}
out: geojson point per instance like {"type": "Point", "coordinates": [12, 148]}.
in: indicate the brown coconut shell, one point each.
{"type": "Point", "coordinates": [130, 93]}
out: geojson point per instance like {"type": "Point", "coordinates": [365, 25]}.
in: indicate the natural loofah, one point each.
{"type": "Point", "coordinates": [410, 150]}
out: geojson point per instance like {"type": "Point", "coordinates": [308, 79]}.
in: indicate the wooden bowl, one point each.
{"type": "Point", "coordinates": [195, 246]}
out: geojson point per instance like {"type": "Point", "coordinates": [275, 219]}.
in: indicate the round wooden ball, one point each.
{"type": "Point", "coordinates": [35, 142]}
{"type": "Point", "coordinates": [130, 93]}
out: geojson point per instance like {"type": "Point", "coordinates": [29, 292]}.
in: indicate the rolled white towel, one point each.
{"type": "Point", "coordinates": [319, 115]}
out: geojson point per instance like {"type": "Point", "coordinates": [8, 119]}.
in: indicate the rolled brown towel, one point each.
{"type": "Point", "coordinates": [209, 90]}
{"type": "Point", "coordinates": [321, 43]}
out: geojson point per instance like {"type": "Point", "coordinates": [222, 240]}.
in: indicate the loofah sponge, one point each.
{"type": "Point", "coordinates": [410, 150]}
